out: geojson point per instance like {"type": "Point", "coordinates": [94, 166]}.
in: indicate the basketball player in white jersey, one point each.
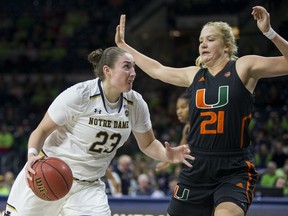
{"type": "Point", "coordinates": [84, 126]}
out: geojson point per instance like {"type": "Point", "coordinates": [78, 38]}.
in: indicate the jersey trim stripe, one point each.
{"type": "Point", "coordinates": [95, 96]}
{"type": "Point", "coordinates": [128, 101]}
{"type": "Point", "coordinates": [244, 119]}
{"type": "Point", "coordinates": [42, 153]}
{"type": "Point", "coordinates": [103, 98]}
{"type": "Point", "coordinates": [250, 179]}
{"type": "Point", "coordinates": [11, 207]}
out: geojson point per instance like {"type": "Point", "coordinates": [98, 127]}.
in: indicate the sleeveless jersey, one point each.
{"type": "Point", "coordinates": [89, 136]}
{"type": "Point", "coordinates": [220, 111]}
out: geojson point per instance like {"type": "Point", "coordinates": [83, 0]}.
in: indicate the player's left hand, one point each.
{"type": "Point", "coordinates": [120, 30]}
{"type": "Point", "coordinates": [179, 154]}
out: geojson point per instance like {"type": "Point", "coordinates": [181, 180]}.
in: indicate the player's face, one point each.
{"type": "Point", "coordinates": [182, 110]}
{"type": "Point", "coordinates": [211, 47]}
{"type": "Point", "coordinates": [123, 74]}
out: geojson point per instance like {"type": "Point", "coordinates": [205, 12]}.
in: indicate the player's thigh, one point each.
{"type": "Point", "coordinates": [232, 198]}
{"type": "Point", "coordinates": [23, 202]}
{"type": "Point", "coordinates": [39, 209]}
{"type": "Point", "coordinates": [90, 199]}
{"type": "Point", "coordinates": [180, 208]}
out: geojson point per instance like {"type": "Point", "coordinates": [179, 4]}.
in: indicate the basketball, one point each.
{"type": "Point", "coordinates": [52, 180]}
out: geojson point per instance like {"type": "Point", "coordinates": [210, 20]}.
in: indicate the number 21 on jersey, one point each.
{"type": "Point", "coordinates": [214, 118]}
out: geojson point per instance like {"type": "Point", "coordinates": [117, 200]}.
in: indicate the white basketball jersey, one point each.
{"type": "Point", "coordinates": [89, 135]}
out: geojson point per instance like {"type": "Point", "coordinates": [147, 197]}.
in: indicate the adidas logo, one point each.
{"type": "Point", "coordinates": [201, 79]}
{"type": "Point", "coordinates": [239, 185]}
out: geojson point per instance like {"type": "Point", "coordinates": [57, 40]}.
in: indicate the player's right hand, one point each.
{"type": "Point", "coordinates": [28, 168]}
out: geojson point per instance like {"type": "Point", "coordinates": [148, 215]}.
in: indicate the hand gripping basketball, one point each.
{"type": "Point", "coordinates": [52, 180]}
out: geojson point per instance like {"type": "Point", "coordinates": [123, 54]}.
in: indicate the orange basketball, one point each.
{"type": "Point", "coordinates": [52, 180]}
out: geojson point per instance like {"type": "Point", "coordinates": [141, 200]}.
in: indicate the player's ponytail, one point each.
{"type": "Point", "coordinates": [94, 58]}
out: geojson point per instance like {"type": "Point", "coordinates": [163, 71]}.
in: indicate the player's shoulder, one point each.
{"type": "Point", "coordinates": [85, 85]}
{"type": "Point", "coordinates": [247, 61]}
{"type": "Point", "coordinates": [85, 88]}
{"type": "Point", "coordinates": [133, 96]}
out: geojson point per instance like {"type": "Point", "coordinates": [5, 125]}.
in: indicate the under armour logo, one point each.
{"type": "Point", "coordinates": [7, 213]}
{"type": "Point", "coordinates": [98, 111]}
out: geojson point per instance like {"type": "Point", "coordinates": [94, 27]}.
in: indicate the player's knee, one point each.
{"type": "Point", "coordinates": [228, 209]}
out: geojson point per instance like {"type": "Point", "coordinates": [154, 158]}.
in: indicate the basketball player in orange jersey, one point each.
{"type": "Point", "coordinates": [84, 126]}
{"type": "Point", "coordinates": [221, 86]}
{"type": "Point", "coordinates": [182, 111]}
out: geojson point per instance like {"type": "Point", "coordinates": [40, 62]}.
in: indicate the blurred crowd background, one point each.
{"type": "Point", "coordinates": [44, 46]}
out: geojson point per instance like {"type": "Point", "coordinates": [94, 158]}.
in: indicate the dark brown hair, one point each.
{"type": "Point", "coordinates": [99, 58]}
{"type": "Point", "coordinates": [184, 95]}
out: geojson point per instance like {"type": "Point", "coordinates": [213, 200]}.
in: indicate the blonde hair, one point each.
{"type": "Point", "coordinates": [228, 38]}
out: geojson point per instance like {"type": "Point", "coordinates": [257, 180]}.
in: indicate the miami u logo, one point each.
{"type": "Point", "coordinates": [184, 195]}
{"type": "Point", "coordinates": [223, 92]}
{"type": "Point", "coordinates": [213, 122]}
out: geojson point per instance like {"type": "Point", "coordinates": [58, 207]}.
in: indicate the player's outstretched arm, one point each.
{"type": "Point", "coordinates": [175, 76]}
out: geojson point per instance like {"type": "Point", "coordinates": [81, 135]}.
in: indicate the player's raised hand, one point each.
{"type": "Point", "coordinates": [120, 31]}
{"type": "Point", "coordinates": [263, 18]}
